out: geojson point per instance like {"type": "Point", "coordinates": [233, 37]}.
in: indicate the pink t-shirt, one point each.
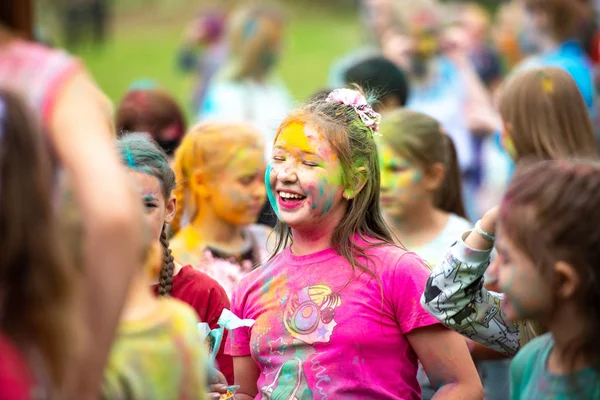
{"type": "Point", "coordinates": [320, 334]}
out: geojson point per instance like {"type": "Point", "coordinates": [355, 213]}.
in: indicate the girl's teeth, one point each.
{"type": "Point", "coordinates": [289, 195]}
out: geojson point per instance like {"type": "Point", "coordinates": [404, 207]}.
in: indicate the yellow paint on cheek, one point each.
{"type": "Point", "coordinates": [403, 180]}
{"type": "Point", "coordinates": [293, 137]}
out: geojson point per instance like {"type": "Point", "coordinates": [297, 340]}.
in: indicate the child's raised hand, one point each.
{"type": "Point", "coordinates": [489, 221]}
{"type": "Point", "coordinates": [482, 237]}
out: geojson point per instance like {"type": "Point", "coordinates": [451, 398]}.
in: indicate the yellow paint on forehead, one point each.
{"type": "Point", "coordinates": [294, 137]}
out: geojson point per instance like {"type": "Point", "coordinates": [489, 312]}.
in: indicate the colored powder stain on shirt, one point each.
{"type": "Point", "coordinates": [324, 316]}
{"type": "Point", "coordinates": [293, 138]}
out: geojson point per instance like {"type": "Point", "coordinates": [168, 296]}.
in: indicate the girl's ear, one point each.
{"type": "Point", "coordinates": [170, 209]}
{"type": "Point", "coordinates": [567, 280]}
{"type": "Point", "coordinates": [433, 177]}
{"type": "Point", "coordinates": [361, 180]}
{"type": "Point", "coordinates": [198, 185]}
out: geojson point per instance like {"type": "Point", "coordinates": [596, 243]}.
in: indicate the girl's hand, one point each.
{"type": "Point", "coordinates": [490, 220]}
{"type": "Point", "coordinates": [217, 385]}
{"type": "Point", "coordinates": [488, 224]}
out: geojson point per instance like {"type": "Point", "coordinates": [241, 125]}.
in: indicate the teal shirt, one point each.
{"type": "Point", "coordinates": [530, 380]}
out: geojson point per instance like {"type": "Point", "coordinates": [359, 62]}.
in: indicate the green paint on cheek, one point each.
{"type": "Point", "coordinates": [270, 191]}
{"type": "Point", "coordinates": [507, 289]}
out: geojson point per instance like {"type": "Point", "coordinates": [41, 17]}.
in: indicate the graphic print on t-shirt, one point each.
{"type": "Point", "coordinates": [309, 318]}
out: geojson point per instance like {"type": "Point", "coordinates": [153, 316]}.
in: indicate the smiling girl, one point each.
{"type": "Point", "coordinates": [221, 190]}
{"type": "Point", "coordinates": [337, 311]}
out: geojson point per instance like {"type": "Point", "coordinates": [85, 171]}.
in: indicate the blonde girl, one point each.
{"type": "Point", "coordinates": [219, 169]}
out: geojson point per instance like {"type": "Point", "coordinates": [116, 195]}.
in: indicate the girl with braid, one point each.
{"type": "Point", "coordinates": [155, 179]}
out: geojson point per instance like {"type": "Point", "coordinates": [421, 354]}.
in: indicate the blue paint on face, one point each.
{"type": "Point", "coordinates": [270, 191]}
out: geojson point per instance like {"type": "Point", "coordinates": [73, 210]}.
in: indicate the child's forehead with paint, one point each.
{"type": "Point", "coordinates": [300, 137]}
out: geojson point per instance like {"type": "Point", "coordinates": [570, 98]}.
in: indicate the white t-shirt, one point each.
{"type": "Point", "coordinates": [434, 251]}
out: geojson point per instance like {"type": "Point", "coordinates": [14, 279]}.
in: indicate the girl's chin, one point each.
{"type": "Point", "coordinates": [508, 309]}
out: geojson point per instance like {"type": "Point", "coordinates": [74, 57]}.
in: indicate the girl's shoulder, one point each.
{"type": "Point", "coordinates": [535, 350]}
{"type": "Point", "coordinates": [194, 280]}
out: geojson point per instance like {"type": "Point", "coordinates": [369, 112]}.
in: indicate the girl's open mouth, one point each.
{"type": "Point", "coordinates": [290, 200]}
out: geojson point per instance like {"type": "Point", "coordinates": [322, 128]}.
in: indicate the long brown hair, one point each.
{"type": "Point", "coordinates": [140, 153]}
{"type": "Point", "coordinates": [420, 139]}
{"type": "Point", "coordinates": [551, 212]}
{"type": "Point", "coordinates": [352, 141]}
{"type": "Point", "coordinates": [37, 279]}
{"type": "Point", "coordinates": [545, 116]}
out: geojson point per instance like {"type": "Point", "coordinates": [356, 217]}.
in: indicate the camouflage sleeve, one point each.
{"type": "Point", "coordinates": [454, 294]}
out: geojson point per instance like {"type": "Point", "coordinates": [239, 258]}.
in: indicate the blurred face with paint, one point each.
{"type": "Point", "coordinates": [527, 295]}
{"type": "Point", "coordinates": [305, 179]}
{"type": "Point", "coordinates": [403, 184]}
{"type": "Point", "coordinates": [235, 194]}
{"type": "Point", "coordinates": [157, 209]}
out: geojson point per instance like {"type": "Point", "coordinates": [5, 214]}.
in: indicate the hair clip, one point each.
{"type": "Point", "coordinates": [357, 101]}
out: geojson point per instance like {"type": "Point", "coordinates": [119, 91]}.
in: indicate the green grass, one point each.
{"type": "Point", "coordinates": [146, 48]}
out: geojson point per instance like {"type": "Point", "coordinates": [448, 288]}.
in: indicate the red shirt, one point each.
{"type": "Point", "coordinates": [209, 299]}
{"type": "Point", "coordinates": [15, 378]}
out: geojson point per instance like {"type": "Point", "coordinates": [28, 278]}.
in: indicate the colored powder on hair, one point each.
{"type": "Point", "coordinates": [129, 157]}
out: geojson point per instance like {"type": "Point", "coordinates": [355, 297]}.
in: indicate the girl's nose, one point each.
{"type": "Point", "coordinates": [287, 174]}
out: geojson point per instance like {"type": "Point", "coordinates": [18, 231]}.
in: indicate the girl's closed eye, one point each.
{"type": "Point", "coordinates": [247, 179]}
{"type": "Point", "coordinates": [311, 164]}
{"type": "Point", "coordinates": [397, 168]}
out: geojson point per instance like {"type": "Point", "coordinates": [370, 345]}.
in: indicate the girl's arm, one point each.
{"type": "Point", "coordinates": [455, 295]}
{"type": "Point", "coordinates": [83, 136]}
{"type": "Point", "coordinates": [246, 376]}
{"type": "Point", "coordinates": [447, 362]}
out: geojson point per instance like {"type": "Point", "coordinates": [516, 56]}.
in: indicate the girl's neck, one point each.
{"type": "Point", "coordinates": [317, 237]}
{"type": "Point", "coordinates": [311, 241]}
{"type": "Point", "coordinates": [213, 230]}
{"type": "Point", "coordinates": [566, 326]}
{"type": "Point", "coordinates": [420, 225]}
